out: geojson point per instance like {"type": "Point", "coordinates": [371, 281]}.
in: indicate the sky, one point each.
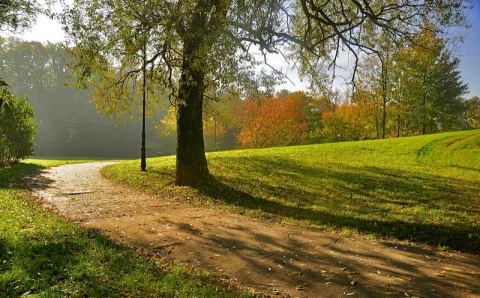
{"type": "Point", "coordinates": [47, 30]}
{"type": "Point", "coordinates": [469, 53]}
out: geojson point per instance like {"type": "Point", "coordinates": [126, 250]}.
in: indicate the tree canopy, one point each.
{"type": "Point", "coordinates": [17, 15]}
{"type": "Point", "coordinates": [209, 45]}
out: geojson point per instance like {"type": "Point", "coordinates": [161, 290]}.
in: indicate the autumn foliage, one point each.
{"type": "Point", "coordinates": [347, 122]}
{"type": "Point", "coordinates": [275, 121]}
{"type": "Point", "coordinates": [284, 118]}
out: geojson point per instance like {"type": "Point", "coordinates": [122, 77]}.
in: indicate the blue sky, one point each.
{"type": "Point", "coordinates": [468, 52]}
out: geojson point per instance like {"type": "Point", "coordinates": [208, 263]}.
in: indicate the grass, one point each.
{"type": "Point", "coordinates": [423, 189]}
{"type": "Point", "coordinates": [55, 161]}
{"type": "Point", "coordinates": [42, 255]}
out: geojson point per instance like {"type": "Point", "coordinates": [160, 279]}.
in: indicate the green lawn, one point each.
{"type": "Point", "coordinates": [42, 255]}
{"type": "Point", "coordinates": [423, 189]}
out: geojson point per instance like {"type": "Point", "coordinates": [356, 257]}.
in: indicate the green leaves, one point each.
{"type": "Point", "coordinates": [17, 128]}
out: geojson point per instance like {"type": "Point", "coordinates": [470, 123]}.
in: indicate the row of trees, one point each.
{"type": "Point", "coordinates": [284, 118]}
{"type": "Point", "coordinates": [412, 89]}
{"type": "Point", "coordinates": [70, 126]}
{"type": "Point", "coordinates": [68, 123]}
{"type": "Point", "coordinates": [193, 48]}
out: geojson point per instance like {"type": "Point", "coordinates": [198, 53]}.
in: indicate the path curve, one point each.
{"type": "Point", "coordinates": [274, 258]}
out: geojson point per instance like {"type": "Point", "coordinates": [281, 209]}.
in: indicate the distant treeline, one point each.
{"type": "Point", "coordinates": [68, 125]}
{"type": "Point", "coordinates": [406, 100]}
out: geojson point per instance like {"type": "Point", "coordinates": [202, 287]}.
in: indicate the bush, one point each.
{"type": "Point", "coordinates": [17, 128]}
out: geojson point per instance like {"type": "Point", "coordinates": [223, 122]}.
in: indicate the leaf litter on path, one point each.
{"type": "Point", "coordinates": [257, 243]}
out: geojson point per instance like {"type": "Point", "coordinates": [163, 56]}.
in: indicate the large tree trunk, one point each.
{"type": "Point", "coordinates": [191, 161]}
{"type": "Point", "coordinates": [198, 36]}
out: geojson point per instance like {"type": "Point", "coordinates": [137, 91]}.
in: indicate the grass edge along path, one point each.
{"type": "Point", "coordinates": [42, 254]}
{"type": "Point", "coordinates": [422, 189]}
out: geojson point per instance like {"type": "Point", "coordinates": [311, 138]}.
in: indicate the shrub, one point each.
{"type": "Point", "coordinates": [17, 128]}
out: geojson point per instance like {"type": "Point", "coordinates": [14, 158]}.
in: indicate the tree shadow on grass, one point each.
{"type": "Point", "coordinates": [58, 265]}
{"type": "Point", "coordinates": [363, 191]}
{"type": "Point", "coordinates": [13, 176]}
{"type": "Point", "coordinates": [466, 168]}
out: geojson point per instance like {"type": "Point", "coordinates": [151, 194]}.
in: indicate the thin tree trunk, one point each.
{"type": "Point", "coordinates": [384, 96]}
{"type": "Point", "coordinates": [398, 125]}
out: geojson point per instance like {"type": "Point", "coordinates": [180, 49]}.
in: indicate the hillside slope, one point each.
{"type": "Point", "coordinates": [422, 189]}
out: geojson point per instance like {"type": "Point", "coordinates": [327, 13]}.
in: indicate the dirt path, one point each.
{"type": "Point", "coordinates": [277, 259]}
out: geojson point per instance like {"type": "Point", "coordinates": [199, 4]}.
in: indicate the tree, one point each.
{"type": "Point", "coordinates": [274, 121]}
{"type": "Point", "coordinates": [17, 15]}
{"type": "Point", "coordinates": [347, 122]}
{"type": "Point", "coordinates": [473, 112]}
{"type": "Point", "coordinates": [203, 45]}
{"type": "Point", "coordinates": [374, 83]}
{"type": "Point", "coordinates": [431, 85]}
{"type": "Point", "coordinates": [17, 128]}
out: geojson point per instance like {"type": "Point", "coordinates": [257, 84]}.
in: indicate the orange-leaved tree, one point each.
{"type": "Point", "coordinates": [274, 121]}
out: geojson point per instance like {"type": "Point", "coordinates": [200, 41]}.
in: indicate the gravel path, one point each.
{"type": "Point", "coordinates": [277, 259]}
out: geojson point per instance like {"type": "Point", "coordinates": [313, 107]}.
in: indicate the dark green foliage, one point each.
{"type": "Point", "coordinates": [17, 128]}
{"type": "Point", "coordinates": [17, 14]}
{"type": "Point", "coordinates": [431, 85]}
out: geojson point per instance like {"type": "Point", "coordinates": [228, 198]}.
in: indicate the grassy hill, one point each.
{"type": "Point", "coordinates": [423, 189]}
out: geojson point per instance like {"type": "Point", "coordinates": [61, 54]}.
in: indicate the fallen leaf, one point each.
{"type": "Point", "coordinates": [275, 292]}
{"type": "Point", "coordinates": [349, 294]}
{"type": "Point", "coordinates": [353, 282]}
{"type": "Point", "coordinates": [344, 268]}
{"type": "Point", "coordinates": [328, 283]}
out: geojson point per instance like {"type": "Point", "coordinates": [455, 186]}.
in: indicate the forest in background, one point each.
{"type": "Point", "coordinates": [415, 92]}
{"type": "Point", "coordinates": [68, 123]}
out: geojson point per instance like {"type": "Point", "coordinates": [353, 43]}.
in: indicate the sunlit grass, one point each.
{"type": "Point", "coordinates": [422, 189]}
{"type": "Point", "coordinates": [42, 255]}
{"type": "Point", "coordinates": [55, 161]}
